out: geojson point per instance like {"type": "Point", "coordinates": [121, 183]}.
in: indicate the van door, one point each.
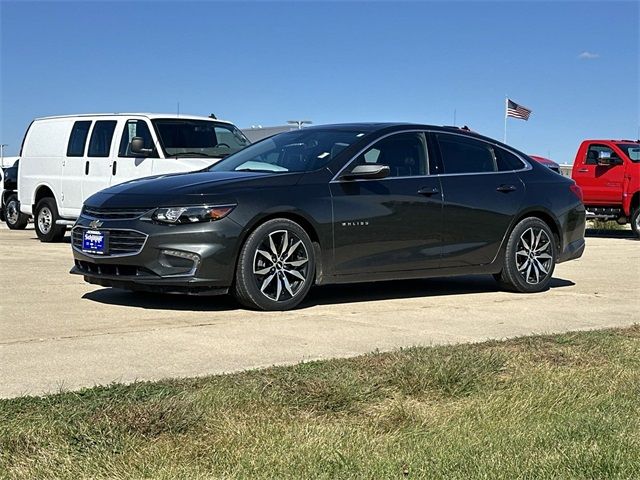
{"type": "Point", "coordinates": [97, 166]}
{"type": "Point", "coordinates": [73, 166]}
{"type": "Point", "coordinates": [128, 165]}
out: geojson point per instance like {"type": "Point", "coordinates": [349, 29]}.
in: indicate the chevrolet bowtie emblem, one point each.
{"type": "Point", "coordinates": [95, 224]}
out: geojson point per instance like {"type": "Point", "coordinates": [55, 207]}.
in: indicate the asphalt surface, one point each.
{"type": "Point", "coordinates": [58, 333]}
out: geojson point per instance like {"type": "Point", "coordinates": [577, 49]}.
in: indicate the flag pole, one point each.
{"type": "Point", "coordinates": [506, 103]}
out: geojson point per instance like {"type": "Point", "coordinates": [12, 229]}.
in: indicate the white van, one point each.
{"type": "Point", "coordinates": [66, 159]}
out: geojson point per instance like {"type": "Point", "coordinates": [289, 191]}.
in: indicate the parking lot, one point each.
{"type": "Point", "coordinates": [59, 333]}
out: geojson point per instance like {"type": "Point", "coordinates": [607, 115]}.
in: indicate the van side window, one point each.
{"type": "Point", "coordinates": [465, 155]}
{"type": "Point", "coordinates": [134, 128]}
{"type": "Point", "coordinates": [78, 138]}
{"type": "Point", "coordinates": [101, 137]}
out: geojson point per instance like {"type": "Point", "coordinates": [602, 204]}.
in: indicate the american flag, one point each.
{"type": "Point", "coordinates": [517, 111]}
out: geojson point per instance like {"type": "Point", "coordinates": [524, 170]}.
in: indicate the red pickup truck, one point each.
{"type": "Point", "coordinates": [608, 172]}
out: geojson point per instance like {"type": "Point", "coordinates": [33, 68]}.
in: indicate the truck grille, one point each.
{"type": "Point", "coordinates": [114, 213]}
{"type": "Point", "coordinates": [121, 242]}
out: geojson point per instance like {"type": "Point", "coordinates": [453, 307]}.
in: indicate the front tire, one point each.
{"type": "Point", "coordinates": [635, 221]}
{"type": "Point", "coordinates": [276, 266]}
{"type": "Point", "coordinates": [530, 257]}
{"type": "Point", "coordinates": [45, 218]}
{"type": "Point", "coordinates": [13, 217]}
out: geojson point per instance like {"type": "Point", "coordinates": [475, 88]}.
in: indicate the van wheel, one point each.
{"type": "Point", "coordinates": [276, 266]}
{"type": "Point", "coordinates": [14, 218]}
{"type": "Point", "coordinates": [45, 218]}
{"type": "Point", "coordinates": [530, 257]}
{"type": "Point", "coordinates": [635, 221]}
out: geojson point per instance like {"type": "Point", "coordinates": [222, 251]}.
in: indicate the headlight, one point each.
{"type": "Point", "coordinates": [176, 215]}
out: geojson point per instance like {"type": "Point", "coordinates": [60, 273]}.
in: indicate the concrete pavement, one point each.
{"type": "Point", "coordinates": [58, 333]}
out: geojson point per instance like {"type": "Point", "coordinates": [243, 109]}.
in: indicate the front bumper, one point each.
{"type": "Point", "coordinates": [146, 256]}
{"type": "Point", "coordinates": [572, 251]}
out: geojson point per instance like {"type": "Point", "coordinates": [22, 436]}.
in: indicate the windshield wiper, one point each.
{"type": "Point", "coordinates": [200, 154]}
{"type": "Point", "coordinates": [255, 170]}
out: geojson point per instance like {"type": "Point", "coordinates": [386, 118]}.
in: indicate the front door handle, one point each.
{"type": "Point", "coordinates": [428, 191]}
{"type": "Point", "coordinates": [86, 168]}
{"type": "Point", "coordinates": [114, 168]}
{"type": "Point", "coordinates": [506, 188]}
{"type": "Point", "coordinates": [583, 170]}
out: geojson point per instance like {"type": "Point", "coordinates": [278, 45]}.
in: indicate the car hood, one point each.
{"type": "Point", "coordinates": [185, 188]}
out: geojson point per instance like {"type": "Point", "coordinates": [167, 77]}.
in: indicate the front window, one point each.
{"type": "Point", "coordinates": [632, 150]}
{"type": "Point", "coordinates": [297, 151]}
{"type": "Point", "coordinates": [198, 138]}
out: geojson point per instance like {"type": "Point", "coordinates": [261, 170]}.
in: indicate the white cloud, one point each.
{"type": "Point", "coordinates": [586, 55]}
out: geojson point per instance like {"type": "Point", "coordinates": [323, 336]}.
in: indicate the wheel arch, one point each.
{"type": "Point", "coordinates": [547, 217]}
{"type": "Point", "coordinates": [43, 191]}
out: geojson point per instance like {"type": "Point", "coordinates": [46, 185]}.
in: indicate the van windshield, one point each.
{"type": "Point", "coordinates": [297, 151]}
{"type": "Point", "coordinates": [198, 138]}
{"type": "Point", "coordinates": [632, 150]}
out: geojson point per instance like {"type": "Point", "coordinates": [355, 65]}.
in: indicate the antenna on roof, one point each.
{"type": "Point", "coordinates": [178, 108]}
{"type": "Point", "coordinates": [213, 116]}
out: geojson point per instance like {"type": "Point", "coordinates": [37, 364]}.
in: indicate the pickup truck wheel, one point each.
{"type": "Point", "coordinates": [45, 218]}
{"type": "Point", "coordinates": [14, 218]}
{"type": "Point", "coordinates": [635, 221]}
{"type": "Point", "coordinates": [276, 266]}
{"type": "Point", "coordinates": [530, 257]}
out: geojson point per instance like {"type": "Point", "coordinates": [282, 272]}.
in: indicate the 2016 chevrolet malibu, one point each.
{"type": "Point", "coordinates": [335, 204]}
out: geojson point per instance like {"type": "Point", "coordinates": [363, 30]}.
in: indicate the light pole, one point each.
{"type": "Point", "coordinates": [2, 153]}
{"type": "Point", "coordinates": [299, 123]}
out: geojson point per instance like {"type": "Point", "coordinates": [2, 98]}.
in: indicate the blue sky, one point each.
{"type": "Point", "coordinates": [575, 64]}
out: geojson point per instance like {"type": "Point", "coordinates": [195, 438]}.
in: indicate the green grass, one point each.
{"type": "Point", "coordinates": [563, 406]}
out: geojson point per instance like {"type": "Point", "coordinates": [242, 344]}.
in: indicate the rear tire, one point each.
{"type": "Point", "coordinates": [530, 257]}
{"type": "Point", "coordinates": [276, 266]}
{"type": "Point", "coordinates": [635, 221]}
{"type": "Point", "coordinates": [45, 218]}
{"type": "Point", "coordinates": [13, 217]}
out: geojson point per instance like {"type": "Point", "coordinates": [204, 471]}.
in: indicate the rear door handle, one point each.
{"type": "Point", "coordinates": [86, 168]}
{"type": "Point", "coordinates": [583, 170]}
{"type": "Point", "coordinates": [428, 191]}
{"type": "Point", "coordinates": [114, 168]}
{"type": "Point", "coordinates": [506, 188]}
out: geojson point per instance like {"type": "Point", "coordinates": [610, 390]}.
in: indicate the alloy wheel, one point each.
{"type": "Point", "coordinates": [45, 218]}
{"type": "Point", "coordinates": [281, 265]}
{"type": "Point", "coordinates": [534, 255]}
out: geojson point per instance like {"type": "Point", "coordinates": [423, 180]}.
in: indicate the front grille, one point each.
{"type": "Point", "coordinates": [121, 242]}
{"type": "Point", "coordinates": [111, 269]}
{"type": "Point", "coordinates": [113, 213]}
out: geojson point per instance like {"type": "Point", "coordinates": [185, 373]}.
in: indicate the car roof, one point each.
{"type": "Point", "coordinates": [150, 116]}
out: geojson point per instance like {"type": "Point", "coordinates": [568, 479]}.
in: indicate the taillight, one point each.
{"type": "Point", "coordinates": [577, 191]}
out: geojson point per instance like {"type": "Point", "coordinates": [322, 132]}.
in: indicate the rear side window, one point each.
{"type": "Point", "coordinates": [101, 136]}
{"type": "Point", "coordinates": [134, 128]}
{"type": "Point", "coordinates": [465, 155]}
{"type": "Point", "coordinates": [507, 161]}
{"type": "Point", "coordinates": [78, 138]}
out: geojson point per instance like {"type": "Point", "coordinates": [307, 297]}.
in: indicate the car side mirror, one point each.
{"type": "Point", "coordinates": [137, 146]}
{"type": "Point", "coordinates": [367, 172]}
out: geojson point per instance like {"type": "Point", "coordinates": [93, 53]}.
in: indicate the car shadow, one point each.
{"type": "Point", "coordinates": [323, 295]}
{"type": "Point", "coordinates": [430, 287]}
{"type": "Point", "coordinates": [159, 301]}
{"type": "Point", "coordinates": [609, 233]}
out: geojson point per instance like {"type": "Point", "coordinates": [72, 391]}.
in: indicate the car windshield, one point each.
{"type": "Point", "coordinates": [632, 150]}
{"type": "Point", "coordinates": [297, 151]}
{"type": "Point", "coordinates": [198, 138]}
